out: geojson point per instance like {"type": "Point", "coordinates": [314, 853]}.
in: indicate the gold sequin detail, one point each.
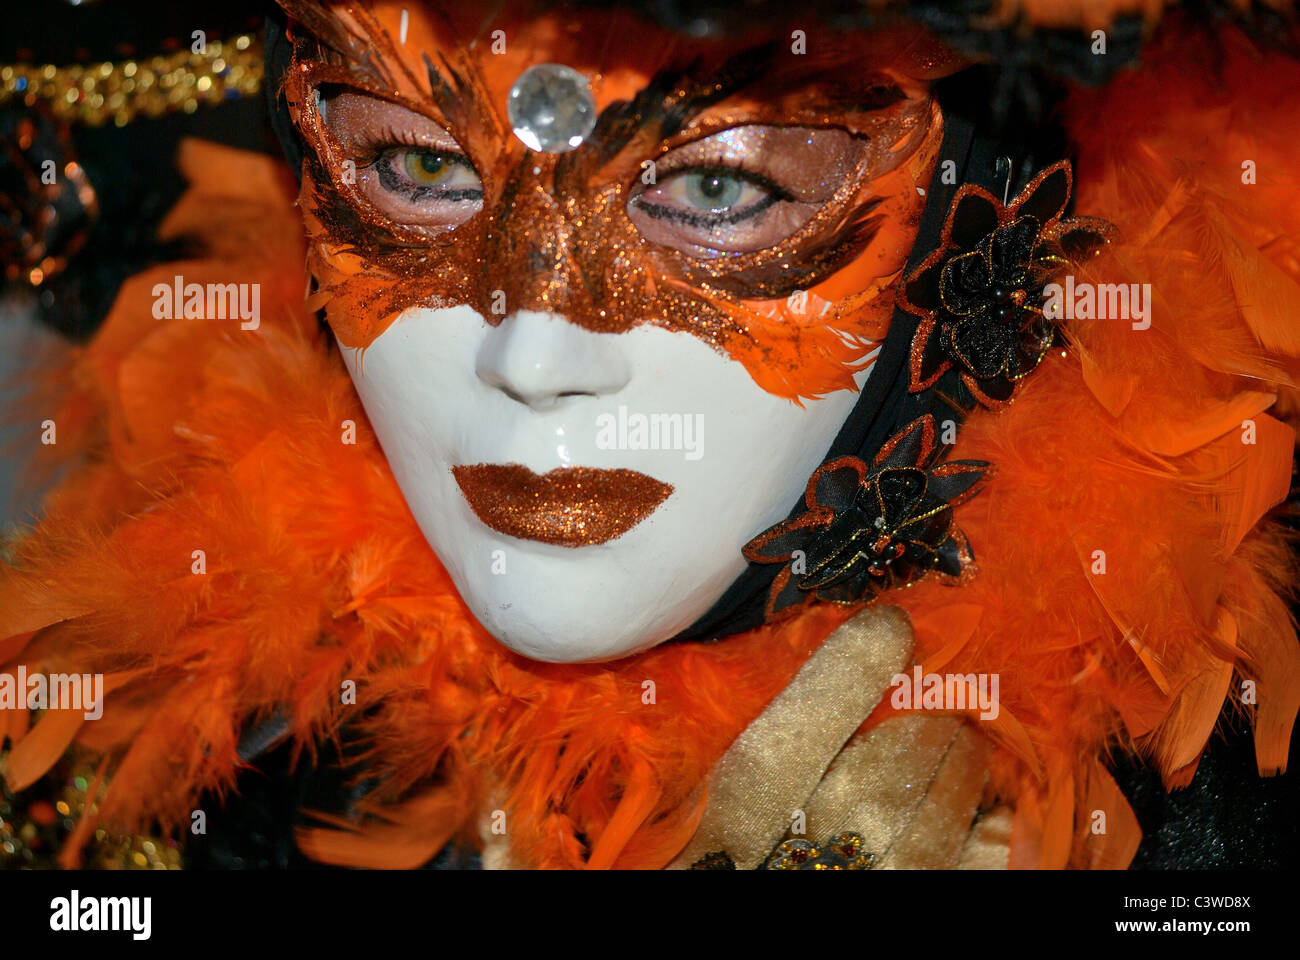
{"type": "Point", "coordinates": [35, 825]}
{"type": "Point", "coordinates": [99, 93]}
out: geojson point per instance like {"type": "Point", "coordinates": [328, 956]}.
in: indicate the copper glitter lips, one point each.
{"type": "Point", "coordinates": [569, 507]}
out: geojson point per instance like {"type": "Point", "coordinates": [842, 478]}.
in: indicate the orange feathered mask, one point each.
{"type": "Point", "coordinates": [1127, 589]}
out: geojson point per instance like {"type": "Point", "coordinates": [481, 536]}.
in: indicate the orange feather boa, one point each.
{"type": "Point", "coordinates": [197, 436]}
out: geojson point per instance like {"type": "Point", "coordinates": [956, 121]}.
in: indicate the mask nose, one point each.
{"type": "Point", "coordinates": [539, 359]}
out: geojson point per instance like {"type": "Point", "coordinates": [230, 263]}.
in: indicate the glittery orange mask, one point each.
{"type": "Point", "coordinates": [759, 193]}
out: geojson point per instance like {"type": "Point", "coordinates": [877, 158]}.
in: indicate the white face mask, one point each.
{"type": "Point", "coordinates": [445, 390]}
{"type": "Point", "coordinates": [590, 478]}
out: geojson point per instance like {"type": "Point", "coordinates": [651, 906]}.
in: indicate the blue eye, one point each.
{"type": "Point", "coordinates": [743, 189]}
{"type": "Point", "coordinates": [709, 197]}
{"type": "Point", "coordinates": [713, 191]}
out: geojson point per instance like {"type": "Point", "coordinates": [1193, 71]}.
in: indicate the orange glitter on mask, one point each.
{"type": "Point", "coordinates": [554, 233]}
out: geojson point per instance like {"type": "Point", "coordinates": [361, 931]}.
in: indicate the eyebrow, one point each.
{"type": "Point", "coordinates": [676, 95]}
{"type": "Point", "coordinates": [671, 99]}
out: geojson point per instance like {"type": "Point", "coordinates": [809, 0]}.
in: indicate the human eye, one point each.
{"type": "Point", "coordinates": [419, 175]}
{"type": "Point", "coordinates": [406, 166]}
{"type": "Point", "coordinates": [709, 196]}
{"type": "Point", "coordinates": [745, 189]}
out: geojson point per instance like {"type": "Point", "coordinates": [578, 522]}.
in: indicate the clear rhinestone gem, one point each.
{"type": "Point", "coordinates": [551, 108]}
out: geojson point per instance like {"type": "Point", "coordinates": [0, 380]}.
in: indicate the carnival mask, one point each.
{"type": "Point", "coordinates": [607, 293]}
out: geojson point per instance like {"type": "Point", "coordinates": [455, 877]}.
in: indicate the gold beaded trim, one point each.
{"type": "Point", "coordinates": [844, 852]}
{"type": "Point", "coordinates": [97, 93]}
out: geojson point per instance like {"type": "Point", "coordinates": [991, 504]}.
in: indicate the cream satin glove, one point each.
{"type": "Point", "coordinates": [910, 788]}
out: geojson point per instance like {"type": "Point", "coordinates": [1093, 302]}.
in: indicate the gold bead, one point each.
{"type": "Point", "coordinates": [180, 81]}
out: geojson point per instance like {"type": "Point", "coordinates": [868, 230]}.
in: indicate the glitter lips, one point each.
{"type": "Point", "coordinates": [569, 507]}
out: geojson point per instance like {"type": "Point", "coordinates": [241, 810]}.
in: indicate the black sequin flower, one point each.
{"type": "Point", "coordinates": [980, 294]}
{"type": "Point", "coordinates": [870, 528]}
